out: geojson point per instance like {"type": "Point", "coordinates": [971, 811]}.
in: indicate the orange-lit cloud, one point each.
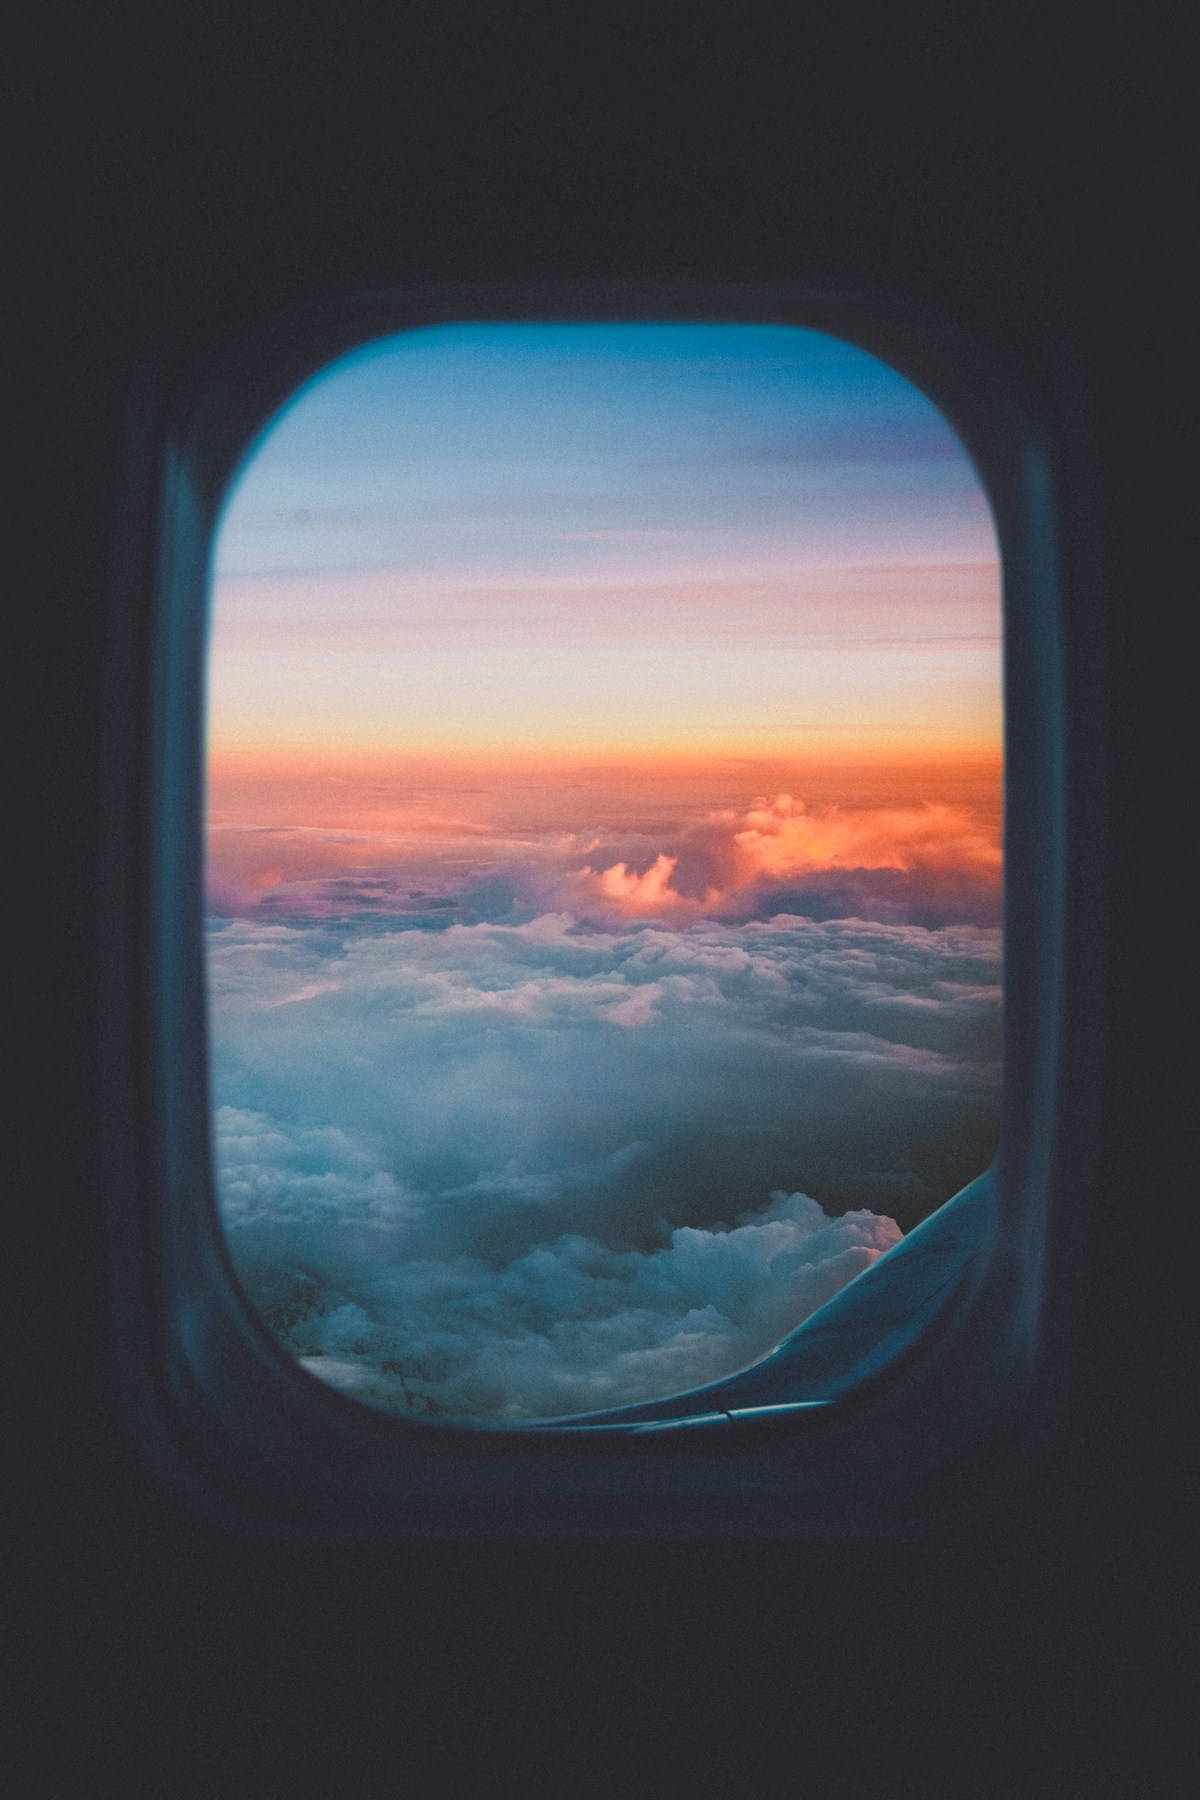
{"type": "Point", "coordinates": [637, 893]}
{"type": "Point", "coordinates": [729, 854]}
{"type": "Point", "coordinates": [923, 846]}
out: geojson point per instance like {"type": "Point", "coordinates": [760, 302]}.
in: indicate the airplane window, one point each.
{"type": "Point", "coordinates": [604, 856]}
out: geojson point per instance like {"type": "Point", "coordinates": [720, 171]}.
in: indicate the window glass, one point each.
{"type": "Point", "coordinates": [603, 854]}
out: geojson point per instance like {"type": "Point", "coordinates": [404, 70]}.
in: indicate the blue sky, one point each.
{"type": "Point", "coordinates": [737, 526]}
{"type": "Point", "coordinates": [548, 448]}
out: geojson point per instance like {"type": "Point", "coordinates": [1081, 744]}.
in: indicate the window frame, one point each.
{"type": "Point", "coordinates": [232, 1422]}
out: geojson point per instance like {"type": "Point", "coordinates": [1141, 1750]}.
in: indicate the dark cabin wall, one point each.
{"type": "Point", "coordinates": [182, 175]}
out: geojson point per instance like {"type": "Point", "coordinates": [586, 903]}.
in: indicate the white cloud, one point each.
{"type": "Point", "coordinates": [524, 1168]}
{"type": "Point", "coordinates": [570, 1325]}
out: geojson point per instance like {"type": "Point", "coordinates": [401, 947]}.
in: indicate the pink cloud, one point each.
{"type": "Point", "coordinates": [729, 854]}
{"type": "Point", "coordinates": [504, 851]}
{"type": "Point", "coordinates": [634, 893]}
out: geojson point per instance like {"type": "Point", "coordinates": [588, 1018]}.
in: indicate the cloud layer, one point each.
{"type": "Point", "coordinates": [928, 863]}
{"type": "Point", "coordinates": [570, 1326]}
{"type": "Point", "coordinates": [514, 1170]}
{"type": "Point", "coordinates": [732, 863]}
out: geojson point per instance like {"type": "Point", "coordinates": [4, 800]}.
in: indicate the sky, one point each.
{"type": "Point", "coordinates": [542, 541]}
{"type": "Point", "coordinates": [604, 853]}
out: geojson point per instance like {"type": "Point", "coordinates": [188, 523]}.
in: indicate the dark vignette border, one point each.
{"type": "Point", "coordinates": [926, 1427]}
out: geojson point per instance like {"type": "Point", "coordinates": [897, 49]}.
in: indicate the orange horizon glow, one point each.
{"type": "Point", "coordinates": [364, 791]}
{"type": "Point", "coordinates": [308, 758]}
{"type": "Point", "coordinates": [849, 661]}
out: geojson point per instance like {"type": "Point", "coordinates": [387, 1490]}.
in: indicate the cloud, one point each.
{"type": "Point", "coordinates": [572, 1325]}
{"type": "Point", "coordinates": [528, 1165]}
{"type": "Point", "coordinates": [931, 863]}
{"type": "Point", "coordinates": [731, 863]}
{"type": "Point", "coordinates": [306, 1175]}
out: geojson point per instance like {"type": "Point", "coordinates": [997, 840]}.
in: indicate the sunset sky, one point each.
{"type": "Point", "coordinates": [557, 541]}
{"type": "Point", "coordinates": [604, 851]}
